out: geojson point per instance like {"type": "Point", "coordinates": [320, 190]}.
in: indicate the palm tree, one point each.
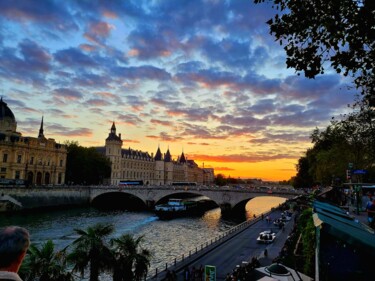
{"type": "Point", "coordinates": [45, 264]}
{"type": "Point", "coordinates": [91, 249]}
{"type": "Point", "coordinates": [131, 262]}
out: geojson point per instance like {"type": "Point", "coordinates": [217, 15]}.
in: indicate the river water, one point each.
{"type": "Point", "coordinates": [167, 240]}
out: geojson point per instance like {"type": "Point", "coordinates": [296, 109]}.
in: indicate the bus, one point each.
{"type": "Point", "coordinates": [132, 183]}
{"type": "Point", "coordinates": [13, 182]}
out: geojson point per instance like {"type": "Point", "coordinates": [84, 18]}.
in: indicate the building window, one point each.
{"type": "Point", "coordinates": [19, 159]}
{"type": "Point", "coordinates": [3, 170]}
{"type": "Point", "coordinates": [32, 160]}
{"type": "Point", "coordinates": [61, 163]}
{"type": "Point", "coordinates": [5, 157]}
{"type": "Point", "coordinates": [17, 176]}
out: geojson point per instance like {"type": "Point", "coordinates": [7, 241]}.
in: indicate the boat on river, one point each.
{"type": "Point", "coordinates": [176, 207]}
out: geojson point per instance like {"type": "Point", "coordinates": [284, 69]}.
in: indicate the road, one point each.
{"type": "Point", "coordinates": [242, 247]}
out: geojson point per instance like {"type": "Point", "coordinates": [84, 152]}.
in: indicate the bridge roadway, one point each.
{"type": "Point", "coordinates": [49, 196]}
{"type": "Point", "coordinates": [225, 197]}
{"type": "Point", "coordinates": [236, 247]}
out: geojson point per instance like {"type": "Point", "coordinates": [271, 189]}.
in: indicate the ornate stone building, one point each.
{"type": "Point", "coordinates": [135, 165]}
{"type": "Point", "coordinates": [38, 160]}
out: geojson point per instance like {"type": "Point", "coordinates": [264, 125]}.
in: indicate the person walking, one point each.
{"type": "Point", "coordinates": [14, 242]}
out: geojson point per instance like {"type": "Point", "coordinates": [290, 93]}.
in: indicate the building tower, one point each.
{"type": "Point", "coordinates": [38, 161]}
{"type": "Point", "coordinates": [159, 168]}
{"type": "Point", "coordinates": [168, 164]}
{"type": "Point", "coordinates": [113, 146]}
{"type": "Point", "coordinates": [183, 162]}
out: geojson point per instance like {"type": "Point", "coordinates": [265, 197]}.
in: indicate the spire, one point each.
{"type": "Point", "coordinates": [158, 156]}
{"type": "Point", "coordinates": [41, 131]}
{"type": "Point", "coordinates": [112, 135]}
{"type": "Point", "coordinates": [182, 158]}
{"type": "Point", "coordinates": [113, 128]}
{"type": "Point", "coordinates": [168, 157]}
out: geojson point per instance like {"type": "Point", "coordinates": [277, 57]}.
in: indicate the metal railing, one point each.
{"type": "Point", "coordinates": [185, 259]}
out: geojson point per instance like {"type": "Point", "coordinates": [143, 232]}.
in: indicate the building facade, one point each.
{"type": "Point", "coordinates": [134, 165]}
{"type": "Point", "coordinates": [37, 160]}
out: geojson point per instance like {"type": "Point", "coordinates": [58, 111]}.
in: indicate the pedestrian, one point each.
{"type": "Point", "coordinates": [186, 274]}
{"type": "Point", "coordinates": [14, 242]}
{"type": "Point", "coordinates": [371, 213]}
{"type": "Point", "coordinates": [168, 276]}
{"type": "Point", "coordinates": [265, 252]}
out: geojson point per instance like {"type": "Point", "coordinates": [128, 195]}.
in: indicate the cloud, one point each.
{"type": "Point", "coordinates": [74, 57]}
{"type": "Point", "coordinates": [31, 65]}
{"type": "Point", "coordinates": [67, 94]}
{"type": "Point", "coordinates": [142, 72]}
{"type": "Point", "coordinates": [98, 32]}
{"type": "Point", "coordinates": [50, 14]}
{"type": "Point", "coordinates": [241, 158]}
{"type": "Point", "coordinates": [223, 169]}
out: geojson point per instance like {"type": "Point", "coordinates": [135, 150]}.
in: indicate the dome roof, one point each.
{"type": "Point", "coordinates": [5, 111]}
{"type": "Point", "coordinates": [277, 269]}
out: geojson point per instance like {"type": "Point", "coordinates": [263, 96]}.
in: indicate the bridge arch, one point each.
{"type": "Point", "coordinates": [118, 200]}
{"type": "Point", "coordinates": [225, 198]}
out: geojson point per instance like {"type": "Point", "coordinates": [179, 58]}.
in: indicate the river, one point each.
{"type": "Point", "coordinates": [167, 240]}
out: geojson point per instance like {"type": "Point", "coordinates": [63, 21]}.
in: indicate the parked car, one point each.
{"type": "Point", "coordinates": [267, 236]}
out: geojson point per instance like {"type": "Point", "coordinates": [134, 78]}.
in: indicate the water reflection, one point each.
{"type": "Point", "coordinates": [167, 240]}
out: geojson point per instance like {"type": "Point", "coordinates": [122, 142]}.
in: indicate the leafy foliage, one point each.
{"type": "Point", "coordinates": [86, 165]}
{"type": "Point", "coordinates": [44, 264]}
{"type": "Point", "coordinates": [351, 140]}
{"type": "Point", "coordinates": [131, 262]}
{"type": "Point", "coordinates": [91, 249]}
{"type": "Point", "coordinates": [315, 32]}
{"type": "Point", "coordinates": [308, 242]}
{"type": "Point", "coordinates": [123, 257]}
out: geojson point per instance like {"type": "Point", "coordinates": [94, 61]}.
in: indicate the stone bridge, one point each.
{"type": "Point", "coordinates": [39, 197]}
{"type": "Point", "coordinates": [225, 198]}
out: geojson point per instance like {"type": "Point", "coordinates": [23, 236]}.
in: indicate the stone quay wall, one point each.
{"type": "Point", "coordinates": [48, 197]}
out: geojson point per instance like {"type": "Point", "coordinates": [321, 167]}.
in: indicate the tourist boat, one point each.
{"type": "Point", "coordinates": [178, 208]}
{"type": "Point", "coordinates": [266, 237]}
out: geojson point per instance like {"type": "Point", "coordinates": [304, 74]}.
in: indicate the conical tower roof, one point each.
{"type": "Point", "coordinates": [168, 157]}
{"type": "Point", "coordinates": [158, 156]}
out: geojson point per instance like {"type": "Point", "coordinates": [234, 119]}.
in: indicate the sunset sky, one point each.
{"type": "Point", "coordinates": [200, 76]}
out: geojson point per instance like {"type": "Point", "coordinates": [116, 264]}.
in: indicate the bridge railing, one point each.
{"type": "Point", "coordinates": [185, 259]}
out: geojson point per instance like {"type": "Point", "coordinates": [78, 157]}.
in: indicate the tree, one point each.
{"type": "Point", "coordinates": [341, 32]}
{"type": "Point", "coordinates": [44, 264]}
{"type": "Point", "coordinates": [303, 179]}
{"type": "Point", "coordinates": [220, 180]}
{"type": "Point", "coordinates": [350, 140]}
{"type": "Point", "coordinates": [91, 249]}
{"type": "Point", "coordinates": [86, 165]}
{"type": "Point", "coordinates": [131, 262]}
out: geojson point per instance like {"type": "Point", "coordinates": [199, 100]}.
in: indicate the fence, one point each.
{"type": "Point", "coordinates": [180, 262]}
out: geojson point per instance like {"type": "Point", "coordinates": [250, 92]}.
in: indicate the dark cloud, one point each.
{"type": "Point", "coordinates": [142, 72]}
{"type": "Point", "coordinates": [74, 57]}
{"type": "Point", "coordinates": [29, 63]}
{"type": "Point", "coordinates": [50, 14]}
{"type": "Point", "coordinates": [67, 94]}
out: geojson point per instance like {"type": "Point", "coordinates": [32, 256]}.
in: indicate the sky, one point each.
{"type": "Point", "coordinates": [203, 77]}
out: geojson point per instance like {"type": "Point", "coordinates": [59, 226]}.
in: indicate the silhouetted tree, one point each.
{"type": "Point", "coordinates": [86, 165]}
{"type": "Point", "coordinates": [315, 32]}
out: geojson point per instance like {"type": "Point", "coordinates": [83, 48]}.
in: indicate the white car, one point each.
{"type": "Point", "coordinates": [266, 237]}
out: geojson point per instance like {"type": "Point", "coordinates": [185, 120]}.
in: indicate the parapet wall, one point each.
{"type": "Point", "coordinates": [46, 197]}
